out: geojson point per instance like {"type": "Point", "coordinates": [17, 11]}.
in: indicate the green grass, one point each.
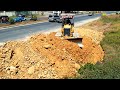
{"type": "Point", "coordinates": [13, 16]}
{"type": "Point", "coordinates": [110, 67]}
{"type": "Point", "coordinates": [110, 19]}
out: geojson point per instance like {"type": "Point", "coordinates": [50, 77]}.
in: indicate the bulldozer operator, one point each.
{"type": "Point", "coordinates": [66, 21]}
{"type": "Point", "coordinates": [67, 28]}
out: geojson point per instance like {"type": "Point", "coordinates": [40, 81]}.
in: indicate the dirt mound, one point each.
{"type": "Point", "coordinates": [97, 25]}
{"type": "Point", "coordinates": [92, 52]}
{"type": "Point", "coordinates": [46, 56]}
{"type": "Point", "coordinates": [93, 34]}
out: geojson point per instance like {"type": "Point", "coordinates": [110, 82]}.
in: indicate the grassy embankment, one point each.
{"type": "Point", "coordinates": [110, 67]}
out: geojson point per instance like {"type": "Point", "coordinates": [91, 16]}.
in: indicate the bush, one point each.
{"type": "Point", "coordinates": [34, 17]}
{"type": "Point", "coordinates": [11, 21]}
{"type": "Point", "coordinates": [42, 13]}
{"type": "Point", "coordinates": [104, 14]}
{"type": "Point", "coordinates": [12, 16]}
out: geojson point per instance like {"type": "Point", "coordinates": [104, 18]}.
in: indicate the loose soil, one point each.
{"type": "Point", "coordinates": [45, 56]}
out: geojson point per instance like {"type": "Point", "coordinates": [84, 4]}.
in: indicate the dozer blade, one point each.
{"type": "Point", "coordinates": [76, 40]}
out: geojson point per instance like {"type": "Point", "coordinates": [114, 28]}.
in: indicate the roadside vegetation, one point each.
{"type": "Point", "coordinates": [29, 19]}
{"type": "Point", "coordinates": [11, 21]}
{"type": "Point", "coordinates": [109, 68]}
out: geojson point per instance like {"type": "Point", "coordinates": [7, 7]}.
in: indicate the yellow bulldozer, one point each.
{"type": "Point", "coordinates": [67, 31]}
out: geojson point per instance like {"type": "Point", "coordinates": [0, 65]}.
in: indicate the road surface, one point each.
{"type": "Point", "coordinates": [21, 32]}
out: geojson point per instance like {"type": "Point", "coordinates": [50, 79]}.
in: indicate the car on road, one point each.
{"type": "Point", "coordinates": [4, 19]}
{"type": "Point", "coordinates": [34, 18]}
{"type": "Point", "coordinates": [90, 13]}
{"type": "Point", "coordinates": [53, 18]}
{"type": "Point", "coordinates": [59, 20]}
{"type": "Point", "coordinates": [20, 18]}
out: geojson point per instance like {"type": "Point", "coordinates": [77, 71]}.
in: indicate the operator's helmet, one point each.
{"type": "Point", "coordinates": [66, 21]}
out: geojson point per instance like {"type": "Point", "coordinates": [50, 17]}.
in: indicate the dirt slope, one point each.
{"type": "Point", "coordinates": [47, 56]}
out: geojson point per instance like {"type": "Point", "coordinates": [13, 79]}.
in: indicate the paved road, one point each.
{"type": "Point", "coordinates": [24, 31]}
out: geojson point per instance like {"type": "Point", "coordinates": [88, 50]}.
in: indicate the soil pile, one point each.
{"type": "Point", "coordinates": [93, 34]}
{"type": "Point", "coordinates": [46, 56]}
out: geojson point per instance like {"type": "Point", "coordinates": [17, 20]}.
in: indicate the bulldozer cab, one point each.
{"type": "Point", "coordinates": [67, 27]}
{"type": "Point", "coordinates": [66, 21]}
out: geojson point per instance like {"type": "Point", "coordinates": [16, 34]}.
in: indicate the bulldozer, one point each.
{"type": "Point", "coordinates": [67, 31]}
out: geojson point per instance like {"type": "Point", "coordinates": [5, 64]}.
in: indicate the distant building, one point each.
{"type": "Point", "coordinates": [57, 12]}
{"type": "Point", "coordinates": [8, 13]}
